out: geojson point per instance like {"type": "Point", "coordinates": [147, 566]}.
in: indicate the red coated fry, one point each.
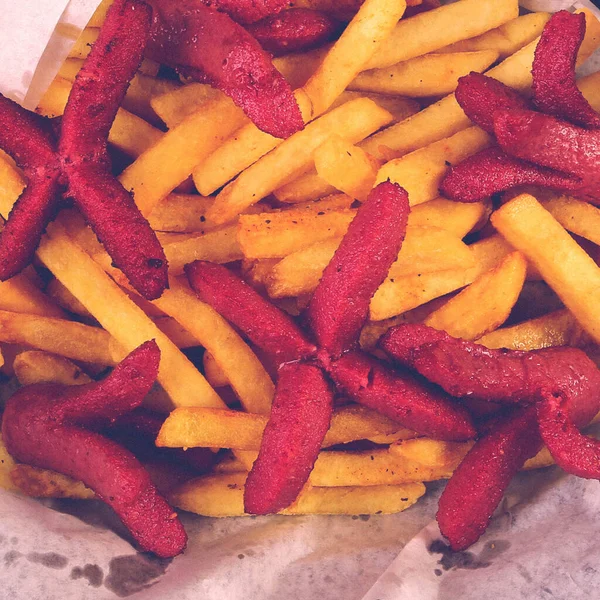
{"type": "Point", "coordinates": [475, 489]}
{"type": "Point", "coordinates": [299, 420]}
{"type": "Point", "coordinates": [414, 404]}
{"type": "Point", "coordinates": [295, 30]}
{"type": "Point", "coordinates": [340, 304]}
{"type": "Point", "coordinates": [481, 96]}
{"type": "Point", "coordinates": [555, 90]}
{"type": "Point", "coordinates": [28, 139]}
{"type": "Point", "coordinates": [43, 425]}
{"type": "Point", "coordinates": [265, 325]}
{"type": "Point", "coordinates": [209, 47]}
{"type": "Point", "coordinates": [248, 11]}
{"type": "Point", "coordinates": [95, 97]}
{"type": "Point", "coordinates": [555, 144]}
{"type": "Point", "coordinates": [492, 170]}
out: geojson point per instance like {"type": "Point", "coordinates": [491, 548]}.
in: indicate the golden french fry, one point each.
{"type": "Point", "coordinates": [399, 107]}
{"type": "Point", "coordinates": [61, 295]}
{"type": "Point", "coordinates": [83, 44]}
{"type": "Point", "coordinates": [506, 39]}
{"type": "Point", "coordinates": [590, 89]}
{"type": "Point", "coordinates": [159, 170]}
{"type": "Point", "coordinates": [230, 464]}
{"type": "Point", "coordinates": [299, 68]}
{"type": "Point", "coordinates": [7, 464]}
{"type": "Point", "coordinates": [350, 54]}
{"type": "Point", "coordinates": [39, 483]}
{"type": "Point", "coordinates": [434, 29]}
{"type": "Point", "coordinates": [223, 496]}
{"type": "Point", "coordinates": [485, 304]}
{"type": "Point", "coordinates": [421, 172]}
{"type": "Point", "coordinates": [99, 15]}
{"type": "Point", "coordinates": [129, 133]}
{"type": "Point", "coordinates": [204, 427]}
{"type": "Point", "coordinates": [354, 120]}
{"type": "Point", "coordinates": [180, 336]}
{"type": "Point", "coordinates": [256, 272]}
{"type": "Point", "coordinates": [35, 366]}
{"type": "Point", "coordinates": [19, 294]}
{"type": "Point", "coordinates": [181, 213]}
{"type": "Point", "coordinates": [424, 76]}
{"type": "Point", "coordinates": [565, 267]}
{"type": "Point", "coordinates": [576, 216]}
{"type": "Point", "coordinates": [558, 328]}
{"type": "Point", "coordinates": [213, 373]}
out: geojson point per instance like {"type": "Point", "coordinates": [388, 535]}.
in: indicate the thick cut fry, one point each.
{"type": "Point", "coordinates": [346, 167]}
{"type": "Point", "coordinates": [565, 267]}
{"type": "Point", "coordinates": [558, 328]}
{"type": "Point", "coordinates": [576, 216]}
{"type": "Point", "coordinates": [181, 213]}
{"type": "Point", "coordinates": [40, 483]}
{"type": "Point", "coordinates": [354, 120]}
{"type": "Point", "coordinates": [129, 133]}
{"type": "Point", "coordinates": [506, 39]}
{"type": "Point", "coordinates": [207, 427]}
{"type": "Point", "coordinates": [422, 171]}
{"type": "Point", "coordinates": [214, 374]}
{"type": "Point", "coordinates": [425, 76]}
{"type": "Point", "coordinates": [35, 366]}
{"type": "Point", "coordinates": [366, 32]}
{"type": "Point", "coordinates": [83, 44]}
{"type": "Point", "coordinates": [7, 464]}
{"type": "Point", "coordinates": [299, 68]}
{"type": "Point", "coordinates": [61, 295]}
{"type": "Point", "coordinates": [169, 162]}
{"type": "Point", "coordinates": [485, 304]}
{"type": "Point", "coordinates": [223, 495]}
{"type": "Point", "coordinates": [442, 26]}
{"type": "Point", "coordinates": [19, 294]}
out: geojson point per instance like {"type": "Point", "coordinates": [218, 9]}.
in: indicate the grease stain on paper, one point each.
{"type": "Point", "coordinates": [11, 557]}
{"type": "Point", "coordinates": [132, 573]}
{"type": "Point", "coordinates": [467, 560]}
{"type": "Point", "coordinates": [51, 560]}
{"type": "Point", "coordinates": [92, 573]}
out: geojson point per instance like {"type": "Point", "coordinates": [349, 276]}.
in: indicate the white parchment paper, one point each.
{"type": "Point", "coordinates": [544, 542]}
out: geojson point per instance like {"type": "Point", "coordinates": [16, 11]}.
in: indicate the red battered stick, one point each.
{"type": "Point", "coordinates": [555, 90]}
{"type": "Point", "coordinates": [28, 139]}
{"type": "Point", "coordinates": [299, 420]}
{"type": "Point", "coordinates": [340, 304]}
{"type": "Point", "coordinates": [414, 404]}
{"type": "Point", "coordinates": [295, 30]}
{"type": "Point", "coordinates": [265, 325]}
{"type": "Point", "coordinates": [492, 170]}
{"type": "Point", "coordinates": [248, 11]}
{"type": "Point", "coordinates": [95, 97]}
{"type": "Point", "coordinates": [209, 47]}
{"type": "Point", "coordinates": [475, 489]}
{"type": "Point", "coordinates": [43, 426]}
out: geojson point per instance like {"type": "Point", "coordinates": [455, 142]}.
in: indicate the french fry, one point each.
{"type": "Point", "coordinates": [506, 39]}
{"type": "Point", "coordinates": [39, 483]}
{"type": "Point", "coordinates": [204, 427]}
{"type": "Point", "coordinates": [99, 15]}
{"type": "Point", "coordinates": [182, 213]}
{"type": "Point", "coordinates": [35, 366]}
{"type": "Point", "coordinates": [373, 23]}
{"type": "Point", "coordinates": [61, 295]}
{"type": "Point", "coordinates": [565, 267]}
{"type": "Point", "coordinates": [299, 68]}
{"type": "Point", "coordinates": [485, 304]}
{"type": "Point", "coordinates": [19, 294]}
{"type": "Point", "coordinates": [355, 119]}
{"type": "Point", "coordinates": [558, 328]}
{"type": "Point", "coordinates": [83, 44]}
{"type": "Point", "coordinates": [213, 373]}
{"type": "Point", "coordinates": [223, 496]}
{"type": "Point", "coordinates": [7, 464]}
{"type": "Point", "coordinates": [441, 27]}
{"type": "Point", "coordinates": [229, 464]}
{"type": "Point", "coordinates": [421, 172]}
{"type": "Point", "coordinates": [576, 216]}
{"type": "Point", "coordinates": [589, 88]}
{"type": "Point", "coordinates": [346, 167]}
{"type": "Point", "coordinates": [129, 133]}
{"type": "Point", "coordinates": [180, 336]}
{"type": "Point", "coordinates": [256, 272]}
{"type": "Point", "coordinates": [399, 107]}
{"type": "Point", "coordinates": [424, 76]}
{"type": "Point", "coordinates": [159, 170]}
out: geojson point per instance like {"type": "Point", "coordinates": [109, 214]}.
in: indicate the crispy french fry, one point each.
{"type": "Point", "coordinates": [355, 120]}
{"type": "Point", "coordinates": [180, 336]}
{"type": "Point", "coordinates": [19, 294]}
{"type": "Point", "coordinates": [7, 464]}
{"type": "Point", "coordinates": [213, 373]}
{"type": "Point", "coordinates": [159, 170]}
{"type": "Point", "coordinates": [589, 88]}
{"type": "Point", "coordinates": [365, 34]}
{"type": "Point", "coordinates": [485, 304]}
{"type": "Point", "coordinates": [506, 39]}
{"type": "Point", "coordinates": [576, 216]}
{"type": "Point", "coordinates": [421, 172]}
{"type": "Point", "coordinates": [399, 107]}
{"type": "Point", "coordinates": [457, 217]}
{"type": "Point", "coordinates": [39, 483]}
{"type": "Point", "coordinates": [223, 496]}
{"type": "Point", "coordinates": [99, 15]}
{"type": "Point", "coordinates": [558, 328]}
{"type": "Point", "coordinates": [129, 133]}
{"type": "Point", "coordinates": [256, 272]}
{"type": "Point", "coordinates": [181, 213]}
{"type": "Point", "coordinates": [299, 68]}
{"type": "Point", "coordinates": [307, 187]}
{"type": "Point", "coordinates": [61, 295]}
{"type": "Point", "coordinates": [424, 76]}
{"type": "Point", "coordinates": [434, 29]}
{"type": "Point", "coordinates": [346, 167]}
{"type": "Point", "coordinates": [35, 366]}
{"type": "Point", "coordinates": [229, 464]}
{"type": "Point", "coordinates": [565, 267]}
{"type": "Point", "coordinates": [196, 427]}
{"type": "Point", "coordinates": [83, 44]}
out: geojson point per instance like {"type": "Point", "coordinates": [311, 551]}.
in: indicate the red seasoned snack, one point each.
{"type": "Point", "coordinates": [492, 170]}
{"type": "Point", "coordinates": [292, 439]}
{"type": "Point", "coordinates": [248, 11]}
{"type": "Point", "coordinates": [415, 404]}
{"type": "Point", "coordinates": [555, 90]}
{"type": "Point", "coordinates": [208, 46]}
{"type": "Point", "coordinates": [265, 325]}
{"type": "Point", "coordinates": [28, 138]}
{"type": "Point", "coordinates": [47, 426]}
{"type": "Point", "coordinates": [340, 304]}
{"type": "Point", "coordinates": [295, 30]}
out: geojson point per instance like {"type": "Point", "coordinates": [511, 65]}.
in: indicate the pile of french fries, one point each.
{"type": "Point", "coordinates": [379, 105]}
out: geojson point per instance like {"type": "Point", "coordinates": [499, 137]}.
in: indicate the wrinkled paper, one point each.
{"type": "Point", "coordinates": [542, 543]}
